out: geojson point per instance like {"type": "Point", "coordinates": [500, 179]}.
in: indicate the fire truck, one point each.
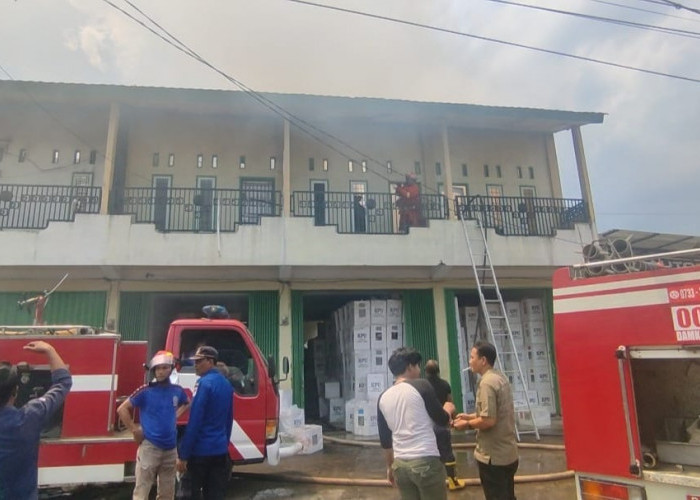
{"type": "Point", "coordinates": [627, 345]}
{"type": "Point", "coordinates": [85, 443]}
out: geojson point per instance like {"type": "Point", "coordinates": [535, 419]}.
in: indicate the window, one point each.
{"type": "Point", "coordinates": [241, 162]}
{"type": "Point", "coordinates": [498, 171]}
{"type": "Point", "coordinates": [171, 160]}
{"type": "Point", "coordinates": [531, 172]}
{"type": "Point", "coordinates": [2, 153]}
{"type": "Point", "coordinates": [438, 168]}
{"type": "Point", "coordinates": [54, 158]}
{"type": "Point", "coordinates": [312, 164]}
{"type": "Point", "coordinates": [519, 170]}
{"type": "Point", "coordinates": [350, 166]}
{"type": "Point", "coordinates": [388, 166]}
{"type": "Point", "coordinates": [214, 161]}
{"type": "Point", "coordinates": [200, 160]}
{"type": "Point", "coordinates": [22, 155]}
{"type": "Point", "coordinates": [364, 165]}
{"type": "Point", "coordinates": [465, 171]}
{"type": "Point", "coordinates": [76, 157]}
{"type": "Point", "coordinates": [93, 156]}
{"type": "Point", "coordinates": [325, 164]}
{"type": "Point", "coordinates": [417, 168]}
{"type": "Point", "coordinates": [486, 170]}
{"type": "Point", "coordinates": [273, 163]}
{"type": "Point", "coordinates": [156, 159]}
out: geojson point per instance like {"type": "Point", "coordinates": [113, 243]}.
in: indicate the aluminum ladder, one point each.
{"type": "Point", "coordinates": [495, 317]}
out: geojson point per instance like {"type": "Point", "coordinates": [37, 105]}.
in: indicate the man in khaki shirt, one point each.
{"type": "Point", "coordinates": [496, 450]}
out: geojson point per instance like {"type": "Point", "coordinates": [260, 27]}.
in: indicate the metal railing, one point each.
{"type": "Point", "coordinates": [32, 206]}
{"type": "Point", "coordinates": [371, 213]}
{"type": "Point", "coordinates": [523, 216]}
{"type": "Point", "coordinates": [197, 210]}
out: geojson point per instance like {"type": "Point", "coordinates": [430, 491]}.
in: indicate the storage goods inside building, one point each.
{"type": "Point", "coordinates": [529, 327]}
{"type": "Point", "coordinates": [349, 338]}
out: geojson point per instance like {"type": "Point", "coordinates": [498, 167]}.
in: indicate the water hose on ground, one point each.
{"type": "Point", "coordinates": [457, 446]}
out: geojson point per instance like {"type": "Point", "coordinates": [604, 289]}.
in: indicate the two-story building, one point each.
{"type": "Point", "coordinates": [157, 201]}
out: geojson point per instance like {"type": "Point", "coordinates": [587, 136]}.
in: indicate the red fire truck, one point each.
{"type": "Point", "coordinates": [628, 363]}
{"type": "Point", "coordinates": [84, 443]}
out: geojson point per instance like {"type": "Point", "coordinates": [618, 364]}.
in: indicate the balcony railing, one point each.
{"type": "Point", "coordinates": [29, 206]}
{"type": "Point", "coordinates": [522, 216]}
{"type": "Point", "coordinates": [372, 213]}
{"type": "Point", "coordinates": [197, 210]}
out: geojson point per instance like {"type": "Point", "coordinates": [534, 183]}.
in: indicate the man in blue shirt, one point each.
{"type": "Point", "coordinates": [204, 447]}
{"type": "Point", "coordinates": [20, 428]}
{"type": "Point", "coordinates": [160, 403]}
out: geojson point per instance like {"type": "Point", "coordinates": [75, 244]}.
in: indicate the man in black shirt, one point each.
{"type": "Point", "coordinates": [442, 433]}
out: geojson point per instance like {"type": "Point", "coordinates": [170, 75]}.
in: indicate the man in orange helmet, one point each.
{"type": "Point", "coordinates": [408, 203]}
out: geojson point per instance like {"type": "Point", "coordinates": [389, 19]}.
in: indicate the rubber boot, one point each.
{"type": "Point", "coordinates": [452, 482]}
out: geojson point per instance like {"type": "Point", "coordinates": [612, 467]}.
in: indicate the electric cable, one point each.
{"type": "Point", "coordinates": [495, 40]}
{"type": "Point", "coordinates": [639, 9]}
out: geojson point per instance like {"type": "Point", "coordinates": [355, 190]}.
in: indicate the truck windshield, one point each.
{"type": "Point", "coordinates": [236, 362]}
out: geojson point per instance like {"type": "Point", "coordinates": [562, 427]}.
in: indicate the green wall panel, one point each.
{"type": "Point", "coordinates": [298, 348]}
{"type": "Point", "coordinates": [455, 377]}
{"type": "Point", "coordinates": [419, 322]}
{"type": "Point", "coordinates": [134, 312]}
{"type": "Point", "coordinates": [263, 322]}
{"type": "Point", "coordinates": [77, 308]}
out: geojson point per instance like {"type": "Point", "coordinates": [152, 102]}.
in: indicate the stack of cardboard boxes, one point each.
{"type": "Point", "coordinates": [367, 331]}
{"type": "Point", "coordinates": [529, 336]}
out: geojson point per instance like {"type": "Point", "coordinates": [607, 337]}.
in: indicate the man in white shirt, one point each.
{"type": "Point", "coordinates": [407, 413]}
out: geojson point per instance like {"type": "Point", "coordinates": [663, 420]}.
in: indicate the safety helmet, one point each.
{"type": "Point", "coordinates": [162, 358]}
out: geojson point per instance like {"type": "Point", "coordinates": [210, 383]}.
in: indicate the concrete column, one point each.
{"type": "Point", "coordinates": [110, 153]}
{"type": "Point", "coordinates": [447, 171]}
{"type": "Point", "coordinates": [441, 330]}
{"type": "Point", "coordinates": [553, 166]}
{"type": "Point", "coordinates": [583, 179]}
{"type": "Point", "coordinates": [112, 313]}
{"type": "Point", "coordinates": [285, 330]}
{"type": "Point", "coordinates": [286, 173]}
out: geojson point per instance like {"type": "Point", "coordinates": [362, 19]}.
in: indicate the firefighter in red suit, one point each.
{"type": "Point", "coordinates": [408, 203]}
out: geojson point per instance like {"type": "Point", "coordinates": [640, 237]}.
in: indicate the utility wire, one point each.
{"type": "Point", "coordinates": [650, 27]}
{"type": "Point", "coordinates": [303, 125]}
{"type": "Point", "coordinates": [494, 40]}
{"type": "Point", "coordinates": [681, 6]}
{"type": "Point", "coordinates": [643, 10]}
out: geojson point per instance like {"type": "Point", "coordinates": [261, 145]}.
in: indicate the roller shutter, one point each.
{"type": "Point", "coordinates": [419, 322]}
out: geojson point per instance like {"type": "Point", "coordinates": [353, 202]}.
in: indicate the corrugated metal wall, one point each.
{"type": "Point", "coordinates": [263, 321]}
{"type": "Point", "coordinates": [419, 322]}
{"type": "Point", "coordinates": [134, 312]}
{"type": "Point", "coordinates": [78, 308]}
{"type": "Point", "coordinates": [453, 347]}
{"type": "Point", "coordinates": [298, 348]}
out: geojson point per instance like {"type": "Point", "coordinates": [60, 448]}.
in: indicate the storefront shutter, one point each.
{"type": "Point", "coordinates": [263, 321]}
{"type": "Point", "coordinates": [298, 348]}
{"type": "Point", "coordinates": [134, 312]}
{"type": "Point", "coordinates": [419, 322]}
{"type": "Point", "coordinates": [76, 308]}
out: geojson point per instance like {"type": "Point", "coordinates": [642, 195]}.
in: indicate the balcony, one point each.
{"type": "Point", "coordinates": [195, 209]}
{"type": "Point", "coordinates": [523, 216]}
{"type": "Point", "coordinates": [27, 206]}
{"type": "Point", "coordinates": [365, 213]}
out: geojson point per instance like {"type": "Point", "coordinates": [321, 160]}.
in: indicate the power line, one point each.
{"type": "Point", "coordinates": [300, 123]}
{"type": "Point", "coordinates": [630, 24]}
{"type": "Point", "coordinates": [639, 9]}
{"type": "Point", "coordinates": [680, 6]}
{"type": "Point", "coordinates": [494, 40]}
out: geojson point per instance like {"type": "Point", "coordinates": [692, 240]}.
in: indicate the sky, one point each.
{"type": "Point", "coordinates": [643, 161]}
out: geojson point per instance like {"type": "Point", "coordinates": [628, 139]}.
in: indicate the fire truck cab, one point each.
{"type": "Point", "coordinates": [85, 443]}
{"type": "Point", "coordinates": [628, 363]}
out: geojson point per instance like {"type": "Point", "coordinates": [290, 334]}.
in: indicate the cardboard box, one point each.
{"type": "Point", "coordinates": [535, 332]}
{"type": "Point", "coordinates": [362, 362]}
{"type": "Point", "coordinates": [539, 414]}
{"type": "Point", "coordinates": [360, 310]}
{"type": "Point", "coordinates": [350, 415]}
{"type": "Point", "coordinates": [394, 337]}
{"type": "Point", "coordinates": [336, 413]}
{"type": "Point", "coordinates": [285, 399]}
{"type": "Point", "coordinates": [366, 418]}
{"type": "Point", "coordinates": [331, 389]}
{"type": "Point", "coordinates": [361, 338]}
{"type": "Point", "coordinates": [376, 384]}
{"type": "Point", "coordinates": [378, 312]}
{"type": "Point", "coordinates": [533, 309]}
{"type": "Point", "coordinates": [291, 418]}
{"type": "Point", "coordinates": [360, 387]}
{"type": "Point", "coordinates": [378, 337]}
{"type": "Point", "coordinates": [310, 437]}
{"type": "Point", "coordinates": [513, 312]}
{"type": "Point", "coordinates": [394, 311]}
{"type": "Point", "coordinates": [378, 359]}
{"type": "Point", "coordinates": [537, 353]}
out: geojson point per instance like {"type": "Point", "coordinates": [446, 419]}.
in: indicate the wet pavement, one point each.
{"type": "Point", "coordinates": [291, 478]}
